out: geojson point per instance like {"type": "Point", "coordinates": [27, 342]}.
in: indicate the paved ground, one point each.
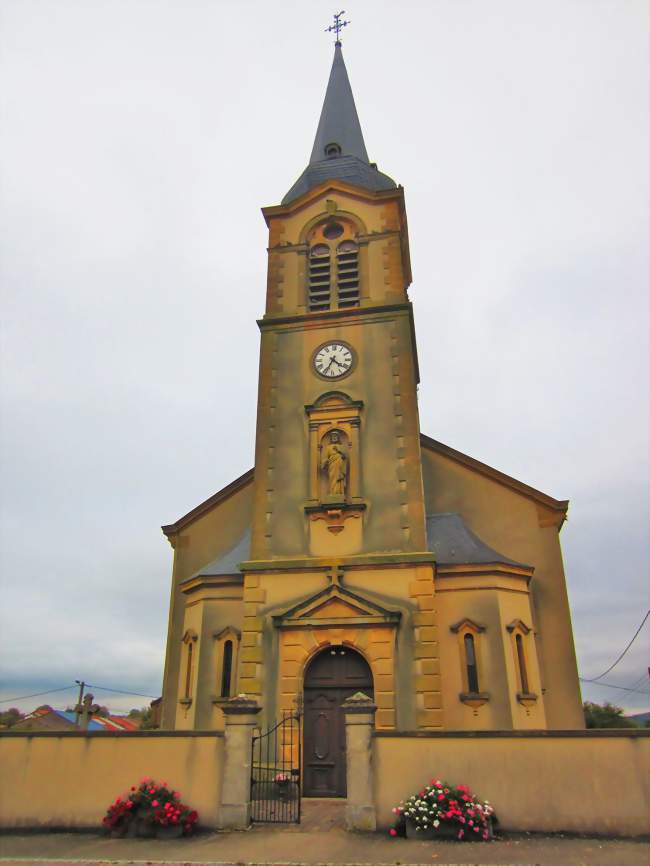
{"type": "Point", "coordinates": [320, 839]}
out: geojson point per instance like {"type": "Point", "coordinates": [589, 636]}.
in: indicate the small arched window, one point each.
{"type": "Point", "coordinates": [470, 663]}
{"type": "Point", "coordinates": [226, 669]}
{"type": "Point", "coordinates": [188, 669]}
{"type": "Point", "coordinates": [521, 662]}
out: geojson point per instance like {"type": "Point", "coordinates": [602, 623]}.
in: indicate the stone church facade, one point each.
{"type": "Point", "coordinates": [360, 554]}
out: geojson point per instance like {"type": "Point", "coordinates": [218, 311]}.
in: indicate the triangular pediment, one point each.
{"type": "Point", "coordinates": [333, 605]}
{"type": "Point", "coordinates": [337, 607]}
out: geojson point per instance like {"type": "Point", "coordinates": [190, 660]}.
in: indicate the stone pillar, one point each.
{"type": "Point", "coordinates": [235, 807]}
{"type": "Point", "coordinates": [359, 724]}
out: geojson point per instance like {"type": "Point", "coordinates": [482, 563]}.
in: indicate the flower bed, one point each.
{"type": "Point", "coordinates": [441, 810]}
{"type": "Point", "coordinates": [150, 809]}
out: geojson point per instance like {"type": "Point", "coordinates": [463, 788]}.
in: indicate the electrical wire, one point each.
{"type": "Point", "coordinates": [638, 682]}
{"type": "Point", "coordinates": [611, 686]}
{"type": "Point", "coordinates": [36, 694]}
{"type": "Point", "coordinates": [612, 666]}
{"type": "Point", "coordinates": [119, 691]}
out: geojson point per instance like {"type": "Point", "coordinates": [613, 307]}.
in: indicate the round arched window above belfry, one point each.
{"type": "Point", "coordinates": [332, 149]}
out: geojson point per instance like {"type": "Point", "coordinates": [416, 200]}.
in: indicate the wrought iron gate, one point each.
{"type": "Point", "coordinates": [275, 773]}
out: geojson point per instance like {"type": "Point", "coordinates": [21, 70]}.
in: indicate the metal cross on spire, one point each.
{"type": "Point", "coordinates": [337, 26]}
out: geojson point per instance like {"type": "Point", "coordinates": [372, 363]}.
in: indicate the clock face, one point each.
{"type": "Point", "coordinates": [333, 360]}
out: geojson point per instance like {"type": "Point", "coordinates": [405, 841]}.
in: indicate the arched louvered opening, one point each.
{"type": "Point", "coordinates": [320, 278]}
{"type": "Point", "coordinates": [347, 274]}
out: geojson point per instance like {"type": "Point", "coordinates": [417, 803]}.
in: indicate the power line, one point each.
{"type": "Point", "coordinates": [119, 691]}
{"type": "Point", "coordinates": [610, 686]}
{"type": "Point", "coordinates": [640, 680]}
{"type": "Point", "coordinates": [611, 667]}
{"type": "Point", "coordinates": [36, 694]}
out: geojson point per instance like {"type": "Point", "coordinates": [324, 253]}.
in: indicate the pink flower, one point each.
{"type": "Point", "coordinates": [476, 829]}
{"type": "Point", "coordinates": [177, 795]}
{"type": "Point", "coordinates": [441, 796]}
{"type": "Point", "coordinates": [461, 833]}
{"type": "Point", "coordinates": [393, 831]}
{"type": "Point", "coordinates": [154, 803]}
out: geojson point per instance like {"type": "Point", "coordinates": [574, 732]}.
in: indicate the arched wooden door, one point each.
{"type": "Point", "coordinates": [333, 675]}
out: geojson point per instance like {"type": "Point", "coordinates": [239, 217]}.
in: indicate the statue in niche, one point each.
{"type": "Point", "coordinates": [335, 461]}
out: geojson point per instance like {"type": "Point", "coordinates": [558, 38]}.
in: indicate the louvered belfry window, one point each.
{"type": "Point", "coordinates": [333, 267]}
{"type": "Point", "coordinates": [320, 278]}
{"type": "Point", "coordinates": [347, 274]}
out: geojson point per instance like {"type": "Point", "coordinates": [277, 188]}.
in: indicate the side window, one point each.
{"type": "Point", "coordinates": [226, 652]}
{"type": "Point", "coordinates": [470, 663]}
{"type": "Point", "coordinates": [521, 638]}
{"type": "Point", "coordinates": [226, 669]}
{"type": "Point", "coordinates": [521, 664]}
{"type": "Point", "coordinates": [470, 637]}
{"type": "Point", "coordinates": [186, 684]}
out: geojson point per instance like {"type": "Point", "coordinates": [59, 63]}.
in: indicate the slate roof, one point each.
{"type": "Point", "coordinates": [339, 124]}
{"type": "Point", "coordinates": [453, 542]}
{"type": "Point", "coordinates": [227, 563]}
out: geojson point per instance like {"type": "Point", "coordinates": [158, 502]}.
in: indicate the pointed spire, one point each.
{"type": "Point", "coordinates": [339, 121]}
{"type": "Point", "coordinates": [339, 150]}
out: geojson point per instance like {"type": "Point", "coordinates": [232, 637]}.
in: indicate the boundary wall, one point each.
{"type": "Point", "coordinates": [595, 781]}
{"type": "Point", "coordinates": [68, 779]}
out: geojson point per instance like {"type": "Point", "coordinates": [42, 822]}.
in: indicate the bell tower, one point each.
{"type": "Point", "coordinates": [337, 452]}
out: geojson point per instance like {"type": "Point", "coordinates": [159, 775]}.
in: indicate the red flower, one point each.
{"type": "Point", "coordinates": [154, 803]}
{"type": "Point", "coordinates": [393, 831]}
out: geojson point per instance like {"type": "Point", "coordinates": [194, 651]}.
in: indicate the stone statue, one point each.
{"type": "Point", "coordinates": [336, 463]}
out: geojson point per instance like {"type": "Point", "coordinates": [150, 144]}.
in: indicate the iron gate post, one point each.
{"type": "Point", "coordinates": [235, 807]}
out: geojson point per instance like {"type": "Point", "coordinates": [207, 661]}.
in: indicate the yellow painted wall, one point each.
{"type": "Point", "coordinates": [213, 533]}
{"type": "Point", "coordinates": [512, 524]}
{"type": "Point", "coordinates": [586, 783]}
{"type": "Point", "coordinates": [69, 780]}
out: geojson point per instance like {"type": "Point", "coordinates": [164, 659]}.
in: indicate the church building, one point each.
{"type": "Point", "coordinates": [360, 554]}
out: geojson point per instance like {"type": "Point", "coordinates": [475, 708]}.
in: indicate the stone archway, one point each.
{"type": "Point", "coordinates": [333, 675]}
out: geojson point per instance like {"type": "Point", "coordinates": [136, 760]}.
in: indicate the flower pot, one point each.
{"type": "Point", "coordinates": [169, 831]}
{"type": "Point", "coordinates": [144, 829]}
{"type": "Point", "coordinates": [447, 831]}
{"type": "Point", "coordinates": [444, 831]}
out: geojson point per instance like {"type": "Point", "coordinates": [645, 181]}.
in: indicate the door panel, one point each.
{"type": "Point", "coordinates": [331, 678]}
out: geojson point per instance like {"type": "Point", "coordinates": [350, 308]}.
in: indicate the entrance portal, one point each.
{"type": "Point", "coordinates": [333, 675]}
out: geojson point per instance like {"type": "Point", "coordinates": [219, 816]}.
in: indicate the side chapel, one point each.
{"type": "Point", "coordinates": [359, 553]}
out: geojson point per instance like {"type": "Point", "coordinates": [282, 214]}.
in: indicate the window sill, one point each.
{"type": "Point", "coordinates": [526, 699]}
{"type": "Point", "coordinates": [216, 700]}
{"type": "Point", "coordinates": [185, 702]}
{"type": "Point", "coordinates": [474, 699]}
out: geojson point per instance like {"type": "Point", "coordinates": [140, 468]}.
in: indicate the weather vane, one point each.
{"type": "Point", "coordinates": [337, 26]}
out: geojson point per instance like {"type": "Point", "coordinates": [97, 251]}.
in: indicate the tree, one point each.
{"type": "Point", "coordinates": [8, 718]}
{"type": "Point", "coordinates": [605, 716]}
{"type": "Point", "coordinates": [144, 716]}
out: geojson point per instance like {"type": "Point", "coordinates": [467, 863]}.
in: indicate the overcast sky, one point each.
{"type": "Point", "coordinates": [139, 139]}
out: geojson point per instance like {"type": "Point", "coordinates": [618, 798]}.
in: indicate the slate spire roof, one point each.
{"type": "Point", "coordinates": [339, 121]}
{"type": "Point", "coordinates": [339, 150]}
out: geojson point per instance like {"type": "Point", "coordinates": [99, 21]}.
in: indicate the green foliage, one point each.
{"type": "Point", "coordinates": [145, 716]}
{"type": "Point", "coordinates": [8, 718]}
{"type": "Point", "coordinates": [605, 716]}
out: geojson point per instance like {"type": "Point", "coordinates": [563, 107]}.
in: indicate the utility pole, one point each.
{"type": "Point", "coordinates": [79, 708]}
